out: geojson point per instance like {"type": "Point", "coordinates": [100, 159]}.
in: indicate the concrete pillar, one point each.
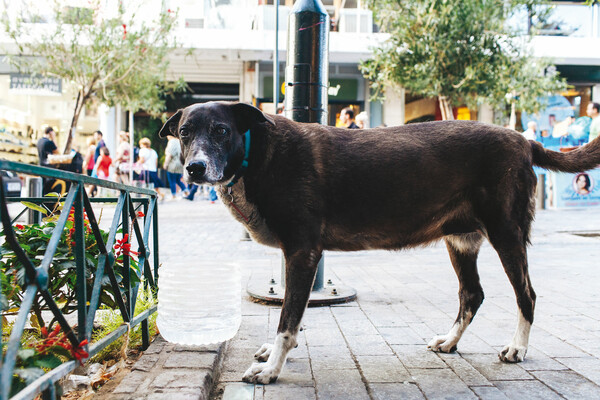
{"type": "Point", "coordinates": [394, 106]}
{"type": "Point", "coordinates": [486, 114]}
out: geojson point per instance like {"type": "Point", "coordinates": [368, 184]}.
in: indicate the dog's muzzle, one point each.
{"type": "Point", "coordinates": [196, 169]}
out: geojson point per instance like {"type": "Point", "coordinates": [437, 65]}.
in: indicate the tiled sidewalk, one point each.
{"type": "Point", "coordinates": [375, 347]}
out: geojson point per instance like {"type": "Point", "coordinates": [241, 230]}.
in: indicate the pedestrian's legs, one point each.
{"type": "Point", "coordinates": [193, 190]}
{"type": "Point", "coordinates": [179, 182]}
{"type": "Point", "coordinates": [153, 177]}
{"type": "Point", "coordinates": [173, 182]}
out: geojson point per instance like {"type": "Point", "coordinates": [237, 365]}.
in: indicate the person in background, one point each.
{"type": "Point", "coordinates": [530, 133]}
{"type": "Point", "coordinates": [347, 118]}
{"type": "Point", "coordinates": [174, 167]}
{"type": "Point", "coordinates": [122, 160]}
{"type": "Point", "coordinates": [148, 159]}
{"type": "Point", "coordinates": [362, 120]}
{"type": "Point", "coordinates": [104, 162]}
{"type": "Point", "coordinates": [99, 144]}
{"type": "Point", "coordinates": [88, 162]}
{"type": "Point", "coordinates": [46, 146]}
{"type": "Point", "coordinates": [593, 111]}
{"type": "Point", "coordinates": [212, 193]}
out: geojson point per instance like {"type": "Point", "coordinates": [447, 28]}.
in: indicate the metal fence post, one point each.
{"type": "Point", "coordinates": [35, 186]}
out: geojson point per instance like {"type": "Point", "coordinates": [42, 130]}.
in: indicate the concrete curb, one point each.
{"type": "Point", "coordinates": [168, 371]}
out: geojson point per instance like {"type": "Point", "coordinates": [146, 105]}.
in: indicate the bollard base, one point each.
{"type": "Point", "coordinates": [267, 290]}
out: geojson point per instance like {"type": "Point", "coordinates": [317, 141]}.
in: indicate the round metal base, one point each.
{"type": "Point", "coordinates": [271, 292]}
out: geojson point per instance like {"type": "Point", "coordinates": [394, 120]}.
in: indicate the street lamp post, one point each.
{"type": "Point", "coordinates": [306, 84]}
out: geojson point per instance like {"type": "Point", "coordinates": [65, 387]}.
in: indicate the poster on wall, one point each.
{"type": "Point", "coordinates": [576, 190]}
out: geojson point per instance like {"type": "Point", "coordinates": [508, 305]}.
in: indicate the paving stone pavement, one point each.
{"type": "Point", "coordinates": [375, 347]}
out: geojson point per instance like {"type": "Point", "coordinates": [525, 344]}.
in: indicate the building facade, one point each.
{"type": "Point", "coordinates": [227, 53]}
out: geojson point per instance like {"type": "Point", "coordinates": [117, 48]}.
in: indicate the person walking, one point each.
{"type": "Point", "coordinates": [89, 162]}
{"type": "Point", "coordinates": [347, 118]}
{"type": "Point", "coordinates": [593, 111]}
{"type": "Point", "coordinates": [122, 161]}
{"type": "Point", "coordinates": [99, 144]}
{"type": "Point", "coordinates": [104, 162]}
{"type": "Point", "coordinates": [362, 120]}
{"type": "Point", "coordinates": [174, 167]}
{"type": "Point", "coordinates": [148, 160]}
{"type": "Point", "coordinates": [47, 146]}
{"type": "Point", "coordinates": [530, 133]}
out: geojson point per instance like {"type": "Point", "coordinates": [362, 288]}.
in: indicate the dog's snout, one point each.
{"type": "Point", "coordinates": [196, 169]}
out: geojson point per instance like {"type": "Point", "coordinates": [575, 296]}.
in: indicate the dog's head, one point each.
{"type": "Point", "coordinates": [211, 136]}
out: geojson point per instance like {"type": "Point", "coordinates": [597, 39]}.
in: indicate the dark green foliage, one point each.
{"type": "Point", "coordinates": [461, 49]}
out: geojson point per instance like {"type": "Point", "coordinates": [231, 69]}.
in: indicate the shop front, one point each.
{"type": "Point", "coordinates": [347, 88]}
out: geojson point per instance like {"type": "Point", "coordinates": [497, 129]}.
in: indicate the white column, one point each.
{"type": "Point", "coordinates": [485, 114]}
{"type": "Point", "coordinates": [107, 126]}
{"type": "Point", "coordinates": [596, 93]}
{"type": "Point", "coordinates": [393, 106]}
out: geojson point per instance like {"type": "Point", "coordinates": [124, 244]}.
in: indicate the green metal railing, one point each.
{"type": "Point", "coordinates": [125, 215]}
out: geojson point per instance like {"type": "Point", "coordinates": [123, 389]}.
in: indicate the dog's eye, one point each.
{"type": "Point", "coordinates": [221, 130]}
{"type": "Point", "coordinates": [183, 133]}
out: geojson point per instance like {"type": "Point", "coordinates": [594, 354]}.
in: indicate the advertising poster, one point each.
{"type": "Point", "coordinates": [576, 190]}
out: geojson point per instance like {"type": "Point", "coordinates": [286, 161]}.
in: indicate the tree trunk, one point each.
{"type": "Point", "coordinates": [71, 134]}
{"type": "Point", "coordinates": [447, 114]}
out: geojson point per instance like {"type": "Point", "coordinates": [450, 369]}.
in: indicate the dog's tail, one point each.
{"type": "Point", "coordinates": [582, 159]}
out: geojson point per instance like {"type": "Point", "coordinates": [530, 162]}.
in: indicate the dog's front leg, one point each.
{"type": "Point", "coordinates": [300, 267]}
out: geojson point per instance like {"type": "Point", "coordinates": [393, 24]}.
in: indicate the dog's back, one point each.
{"type": "Point", "coordinates": [401, 186]}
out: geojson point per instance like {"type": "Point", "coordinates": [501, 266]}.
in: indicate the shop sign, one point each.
{"type": "Point", "coordinates": [576, 190]}
{"type": "Point", "coordinates": [35, 85]}
{"type": "Point", "coordinates": [339, 89]}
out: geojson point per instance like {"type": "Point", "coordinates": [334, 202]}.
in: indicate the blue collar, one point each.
{"type": "Point", "coordinates": [242, 169]}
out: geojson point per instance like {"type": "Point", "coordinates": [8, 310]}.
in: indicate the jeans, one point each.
{"type": "Point", "coordinates": [194, 188]}
{"type": "Point", "coordinates": [152, 177]}
{"type": "Point", "coordinates": [174, 181]}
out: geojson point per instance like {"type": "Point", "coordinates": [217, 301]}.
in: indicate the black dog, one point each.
{"type": "Point", "coordinates": [300, 187]}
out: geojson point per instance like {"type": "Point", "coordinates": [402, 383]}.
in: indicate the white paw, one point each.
{"type": "Point", "coordinates": [443, 343]}
{"type": "Point", "coordinates": [264, 352]}
{"type": "Point", "coordinates": [513, 353]}
{"type": "Point", "coordinates": [260, 373]}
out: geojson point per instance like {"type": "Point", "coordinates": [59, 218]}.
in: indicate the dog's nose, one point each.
{"type": "Point", "coordinates": [196, 169]}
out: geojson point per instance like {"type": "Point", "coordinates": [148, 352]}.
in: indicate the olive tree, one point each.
{"type": "Point", "coordinates": [460, 51]}
{"type": "Point", "coordinates": [113, 57]}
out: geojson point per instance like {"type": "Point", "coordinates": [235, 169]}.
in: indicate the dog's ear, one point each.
{"type": "Point", "coordinates": [246, 116]}
{"type": "Point", "coordinates": [170, 127]}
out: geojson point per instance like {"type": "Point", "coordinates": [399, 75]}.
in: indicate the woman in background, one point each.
{"type": "Point", "coordinates": [174, 167]}
{"type": "Point", "coordinates": [148, 160]}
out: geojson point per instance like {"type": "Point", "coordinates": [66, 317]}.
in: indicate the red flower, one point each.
{"type": "Point", "coordinates": [19, 226]}
{"type": "Point", "coordinates": [140, 214]}
{"type": "Point", "coordinates": [123, 247]}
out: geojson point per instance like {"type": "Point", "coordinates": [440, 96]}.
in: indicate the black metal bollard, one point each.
{"type": "Point", "coordinates": [307, 70]}
{"type": "Point", "coordinates": [306, 84]}
{"type": "Point", "coordinates": [307, 75]}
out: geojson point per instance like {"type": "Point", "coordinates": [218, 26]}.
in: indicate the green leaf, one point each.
{"type": "Point", "coordinates": [61, 351]}
{"type": "Point", "coordinates": [35, 207]}
{"type": "Point", "coordinates": [49, 361]}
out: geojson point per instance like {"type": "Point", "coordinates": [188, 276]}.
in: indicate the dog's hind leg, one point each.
{"type": "Point", "coordinates": [301, 267]}
{"type": "Point", "coordinates": [514, 261]}
{"type": "Point", "coordinates": [463, 251]}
